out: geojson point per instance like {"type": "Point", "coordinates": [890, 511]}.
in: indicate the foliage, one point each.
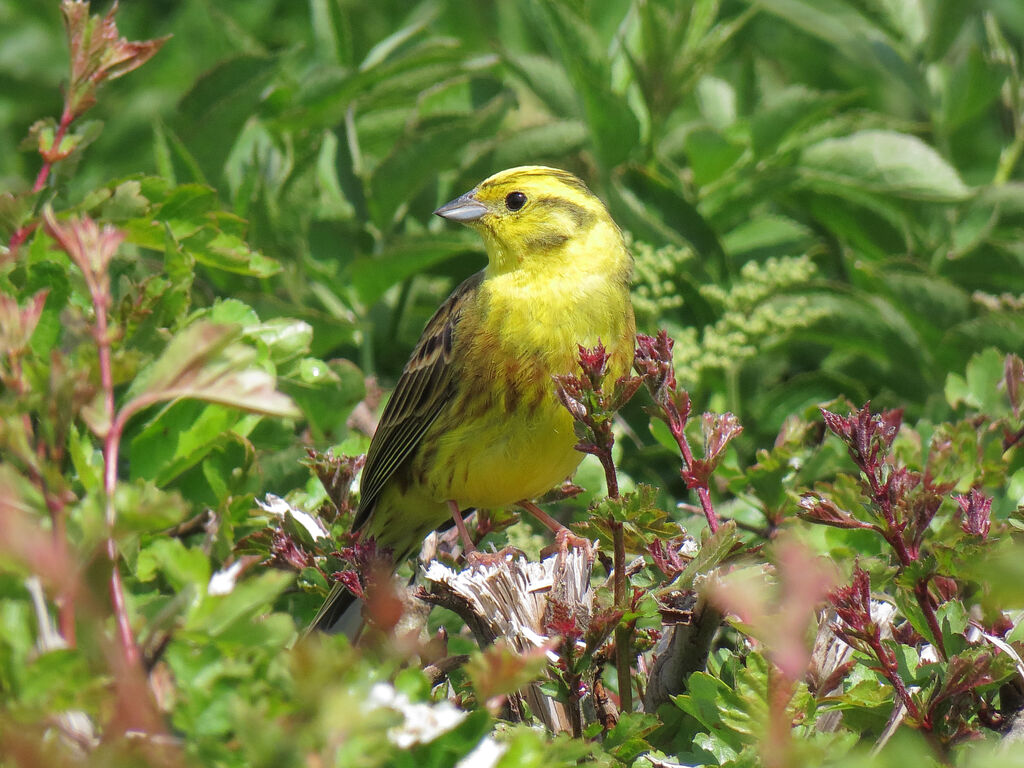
{"type": "Point", "coordinates": [207, 265]}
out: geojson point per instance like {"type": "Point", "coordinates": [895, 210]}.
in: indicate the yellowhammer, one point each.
{"type": "Point", "coordinates": [474, 421]}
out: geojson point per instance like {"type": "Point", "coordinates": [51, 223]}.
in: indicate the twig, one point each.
{"type": "Point", "coordinates": [439, 670]}
{"type": "Point", "coordinates": [689, 624]}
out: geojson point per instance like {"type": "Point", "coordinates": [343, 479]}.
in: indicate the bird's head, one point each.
{"type": "Point", "coordinates": [528, 213]}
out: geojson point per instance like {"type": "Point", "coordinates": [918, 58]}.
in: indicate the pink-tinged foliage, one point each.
{"type": "Point", "coordinates": [666, 556]}
{"type": "Point", "coordinates": [653, 363]}
{"type": "Point", "coordinates": [560, 620]}
{"type": "Point", "coordinates": [852, 604]}
{"type": "Point", "coordinates": [818, 509]}
{"type": "Point", "coordinates": [287, 551]}
{"type": "Point", "coordinates": [90, 246]}
{"type": "Point", "coordinates": [866, 434]}
{"type": "Point", "coordinates": [976, 509]}
{"type": "Point", "coordinates": [17, 323]}
{"type": "Point", "coordinates": [98, 53]}
{"type": "Point", "coordinates": [594, 363]}
{"type": "Point", "coordinates": [779, 617]}
{"type": "Point", "coordinates": [352, 582]}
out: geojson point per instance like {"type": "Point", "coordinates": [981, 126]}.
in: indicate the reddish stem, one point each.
{"type": "Point", "coordinates": [44, 172]}
{"type": "Point", "coordinates": [925, 601]}
{"type": "Point", "coordinates": [111, 447]}
{"type": "Point", "coordinates": [887, 666]}
{"type": "Point", "coordinates": [709, 511]}
{"type": "Point", "coordinates": [780, 725]}
{"type": "Point", "coordinates": [623, 639]}
{"type": "Point", "coordinates": [703, 492]}
{"type": "Point", "coordinates": [893, 533]}
{"type": "Point", "coordinates": [21, 234]}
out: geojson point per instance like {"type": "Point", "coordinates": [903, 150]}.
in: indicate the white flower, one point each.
{"type": "Point", "coordinates": [422, 722]}
{"type": "Point", "coordinates": [223, 582]}
{"type": "Point", "coordinates": [275, 505]}
{"type": "Point", "coordinates": [484, 755]}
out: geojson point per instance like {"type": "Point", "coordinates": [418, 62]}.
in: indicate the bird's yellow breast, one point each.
{"type": "Point", "coordinates": [506, 437]}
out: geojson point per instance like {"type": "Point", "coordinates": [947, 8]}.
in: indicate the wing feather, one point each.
{"type": "Point", "coordinates": [423, 389]}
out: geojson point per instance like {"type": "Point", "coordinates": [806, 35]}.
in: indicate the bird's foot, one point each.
{"type": "Point", "coordinates": [476, 558]}
{"type": "Point", "coordinates": [564, 539]}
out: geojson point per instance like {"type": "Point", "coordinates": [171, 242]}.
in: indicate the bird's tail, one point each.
{"type": "Point", "coordinates": [341, 613]}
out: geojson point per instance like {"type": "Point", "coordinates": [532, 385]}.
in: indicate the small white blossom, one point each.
{"type": "Point", "coordinates": [275, 505]}
{"type": "Point", "coordinates": [422, 722]}
{"type": "Point", "coordinates": [223, 581]}
{"type": "Point", "coordinates": [484, 755]}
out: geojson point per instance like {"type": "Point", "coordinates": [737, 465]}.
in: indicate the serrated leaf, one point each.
{"type": "Point", "coordinates": [204, 362]}
{"type": "Point", "coordinates": [981, 387]}
{"type": "Point", "coordinates": [713, 551]}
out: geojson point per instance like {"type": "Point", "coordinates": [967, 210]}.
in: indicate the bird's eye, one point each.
{"type": "Point", "coordinates": [515, 200]}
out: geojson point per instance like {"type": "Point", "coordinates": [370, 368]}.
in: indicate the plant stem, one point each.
{"type": "Point", "coordinates": [623, 639]}
{"type": "Point", "coordinates": [703, 492]}
{"type": "Point", "coordinates": [893, 534]}
{"type": "Point", "coordinates": [44, 172]}
{"type": "Point", "coordinates": [1008, 160]}
{"type": "Point", "coordinates": [111, 447]}
{"type": "Point", "coordinates": [572, 678]}
{"type": "Point", "coordinates": [925, 601]}
{"type": "Point", "coordinates": [887, 666]}
{"type": "Point", "coordinates": [709, 512]}
{"type": "Point", "coordinates": [21, 234]}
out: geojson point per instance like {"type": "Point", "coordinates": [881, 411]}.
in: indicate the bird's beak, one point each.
{"type": "Point", "coordinates": [466, 209]}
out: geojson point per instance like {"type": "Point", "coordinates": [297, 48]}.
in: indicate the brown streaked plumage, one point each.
{"type": "Point", "coordinates": [474, 421]}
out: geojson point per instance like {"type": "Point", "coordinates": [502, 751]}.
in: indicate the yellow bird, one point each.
{"type": "Point", "coordinates": [474, 421]}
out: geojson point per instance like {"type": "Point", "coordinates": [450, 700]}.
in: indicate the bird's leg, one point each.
{"type": "Point", "coordinates": [563, 536]}
{"type": "Point", "coordinates": [547, 520]}
{"type": "Point", "coordinates": [460, 524]}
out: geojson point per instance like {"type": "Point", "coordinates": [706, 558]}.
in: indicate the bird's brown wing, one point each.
{"type": "Point", "coordinates": [424, 388]}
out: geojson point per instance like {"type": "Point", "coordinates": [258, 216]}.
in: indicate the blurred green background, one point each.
{"type": "Point", "coordinates": [825, 198]}
{"type": "Point", "coordinates": [824, 195]}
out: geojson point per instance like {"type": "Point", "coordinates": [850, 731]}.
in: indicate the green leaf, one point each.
{"type": "Point", "coordinates": [227, 252]}
{"type": "Point", "coordinates": [852, 34]}
{"type": "Point", "coordinates": [142, 506]}
{"type": "Point", "coordinates": [534, 143]}
{"type": "Point", "coordinates": [204, 362]}
{"type": "Point", "coordinates": [713, 551]}
{"type": "Point", "coordinates": [326, 392]}
{"type": "Point", "coordinates": [15, 211]}
{"type": "Point", "coordinates": [54, 678]}
{"type": "Point", "coordinates": [414, 161]}
{"type": "Point", "coordinates": [180, 566]}
{"type": "Point", "coordinates": [286, 339]}
{"type": "Point", "coordinates": [548, 80]}
{"type": "Point", "coordinates": [213, 112]}
{"type": "Point", "coordinates": [658, 210]}
{"type": "Point", "coordinates": [768, 234]}
{"type": "Point", "coordinates": [614, 128]}
{"type": "Point", "coordinates": [178, 438]}
{"type": "Point", "coordinates": [787, 114]}
{"type": "Point", "coordinates": [883, 161]}
{"type": "Point", "coordinates": [408, 256]}
{"type": "Point", "coordinates": [981, 388]}
{"type": "Point", "coordinates": [218, 614]}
